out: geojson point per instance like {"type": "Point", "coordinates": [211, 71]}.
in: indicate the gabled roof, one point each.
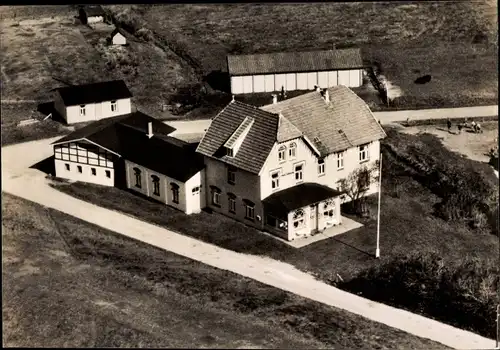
{"type": "Point", "coordinates": [282, 62]}
{"type": "Point", "coordinates": [119, 30]}
{"type": "Point", "coordinates": [343, 123]}
{"type": "Point", "coordinates": [286, 130]}
{"type": "Point", "coordinates": [95, 92]}
{"type": "Point", "coordinates": [292, 198]}
{"type": "Point", "coordinates": [94, 11]}
{"type": "Point", "coordinates": [257, 144]}
{"type": "Point", "coordinates": [126, 136]}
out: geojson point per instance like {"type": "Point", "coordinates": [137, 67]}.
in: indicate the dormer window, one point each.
{"type": "Point", "coordinates": [235, 141]}
{"type": "Point", "coordinates": [82, 110]}
{"type": "Point", "coordinates": [114, 106]}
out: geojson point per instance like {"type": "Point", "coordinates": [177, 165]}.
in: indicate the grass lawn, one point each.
{"type": "Point", "coordinates": [70, 284]}
{"type": "Point", "coordinates": [13, 113]}
{"type": "Point", "coordinates": [406, 39]}
{"type": "Point", "coordinates": [408, 225]}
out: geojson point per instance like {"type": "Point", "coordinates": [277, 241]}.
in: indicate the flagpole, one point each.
{"type": "Point", "coordinates": [377, 250]}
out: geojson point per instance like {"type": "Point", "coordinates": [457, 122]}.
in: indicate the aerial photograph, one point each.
{"type": "Point", "coordinates": [250, 175]}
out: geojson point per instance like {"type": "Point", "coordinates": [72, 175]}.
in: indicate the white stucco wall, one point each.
{"type": "Point", "coordinates": [295, 81]}
{"type": "Point", "coordinates": [310, 169]}
{"type": "Point", "coordinates": [86, 176]}
{"type": "Point", "coordinates": [247, 186]}
{"type": "Point", "coordinates": [95, 19]}
{"type": "Point", "coordinates": [96, 111]}
{"type": "Point", "coordinates": [119, 39]}
{"type": "Point", "coordinates": [186, 205]}
{"type": "Point", "coordinates": [196, 202]}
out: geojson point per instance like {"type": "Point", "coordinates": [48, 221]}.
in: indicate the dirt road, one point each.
{"type": "Point", "coordinates": [18, 179]}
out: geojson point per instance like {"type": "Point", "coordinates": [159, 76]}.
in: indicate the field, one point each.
{"type": "Point", "coordinates": [176, 52]}
{"type": "Point", "coordinates": [70, 284]}
{"type": "Point", "coordinates": [410, 223]}
{"type": "Point", "coordinates": [50, 49]}
{"type": "Point", "coordinates": [455, 42]}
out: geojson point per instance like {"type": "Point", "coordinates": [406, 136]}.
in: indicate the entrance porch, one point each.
{"type": "Point", "coordinates": [301, 211]}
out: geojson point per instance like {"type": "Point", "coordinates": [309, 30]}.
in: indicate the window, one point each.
{"type": "Point", "coordinates": [82, 110]}
{"type": "Point", "coordinates": [231, 203]}
{"type": "Point", "coordinates": [138, 181]}
{"type": "Point", "coordinates": [67, 166]}
{"type": "Point", "coordinates": [298, 219]}
{"type": "Point", "coordinates": [216, 196]}
{"type": "Point", "coordinates": [231, 175]}
{"type": "Point", "coordinates": [363, 153]}
{"type": "Point", "coordinates": [282, 154]}
{"type": "Point", "coordinates": [299, 172]}
{"type": "Point", "coordinates": [108, 173]}
{"type": "Point", "coordinates": [229, 152]}
{"type": "Point", "coordinates": [292, 150]}
{"type": "Point", "coordinates": [249, 210]}
{"type": "Point", "coordinates": [156, 185]}
{"type": "Point", "coordinates": [94, 172]}
{"type": "Point", "coordinates": [196, 190]}
{"type": "Point", "coordinates": [175, 192]}
{"type": "Point", "coordinates": [275, 179]}
{"type": "Point", "coordinates": [114, 106]}
{"type": "Point", "coordinates": [321, 167]}
{"type": "Point", "coordinates": [340, 160]}
{"type": "Point", "coordinates": [79, 167]}
{"type": "Point", "coordinates": [329, 208]}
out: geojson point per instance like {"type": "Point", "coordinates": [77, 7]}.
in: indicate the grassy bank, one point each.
{"type": "Point", "coordinates": [70, 284]}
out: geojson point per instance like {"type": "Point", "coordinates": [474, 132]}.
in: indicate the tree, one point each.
{"type": "Point", "coordinates": [356, 185]}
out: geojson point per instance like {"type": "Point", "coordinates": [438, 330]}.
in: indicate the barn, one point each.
{"type": "Point", "coordinates": [295, 70]}
{"type": "Point", "coordinates": [92, 14]}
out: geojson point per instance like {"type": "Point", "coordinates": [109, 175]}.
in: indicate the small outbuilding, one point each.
{"type": "Point", "coordinates": [118, 37]}
{"type": "Point", "coordinates": [92, 14]}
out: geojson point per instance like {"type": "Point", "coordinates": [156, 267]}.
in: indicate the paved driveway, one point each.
{"type": "Point", "coordinates": [18, 179]}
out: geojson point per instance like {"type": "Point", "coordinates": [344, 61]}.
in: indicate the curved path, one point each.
{"type": "Point", "coordinates": [18, 179]}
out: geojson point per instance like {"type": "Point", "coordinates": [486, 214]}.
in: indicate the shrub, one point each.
{"type": "Point", "coordinates": [467, 193]}
{"type": "Point", "coordinates": [462, 294]}
{"type": "Point", "coordinates": [145, 34]}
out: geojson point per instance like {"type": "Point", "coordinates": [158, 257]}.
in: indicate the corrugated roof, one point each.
{"type": "Point", "coordinates": [95, 92]}
{"type": "Point", "coordinates": [126, 136]}
{"type": "Point", "coordinates": [257, 144]}
{"type": "Point", "coordinates": [343, 123]}
{"type": "Point", "coordinates": [292, 198]}
{"type": "Point", "coordinates": [282, 62]}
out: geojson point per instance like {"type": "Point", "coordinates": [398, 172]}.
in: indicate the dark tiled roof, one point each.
{"type": "Point", "coordinates": [343, 123]}
{"type": "Point", "coordinates": [284, 201]}
{"type": "Point", "coordinates": [257, 144]}
{"type": "Point", "coordinates": [282, 62]}
{"type": "Point", "coordinates": [96, 92]}
{"type": "Point", "coordinates": [97, 130]}
{"type": "Point", "coordinates": [94, 11]}
{"type": "Point", "coordinates": [126, 135]}
{"type": "Point", "coordinates": [119, 30]}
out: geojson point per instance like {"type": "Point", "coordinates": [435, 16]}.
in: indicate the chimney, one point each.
{"type": "Point", "coordinates": [327, 96]}
{"type": "Point", "coordinates": [317, 88]}
{"type": "Point", "coordinates": [150, 130]}
{"type": "Point", "coordinates": [275, 98]}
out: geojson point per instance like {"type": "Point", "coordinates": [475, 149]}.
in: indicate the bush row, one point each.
{"type": "Point", "coordinates": [463, 294]}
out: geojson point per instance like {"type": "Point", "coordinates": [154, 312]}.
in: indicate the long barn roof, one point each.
{"type": "Point", "coordinates": [287, 62]}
